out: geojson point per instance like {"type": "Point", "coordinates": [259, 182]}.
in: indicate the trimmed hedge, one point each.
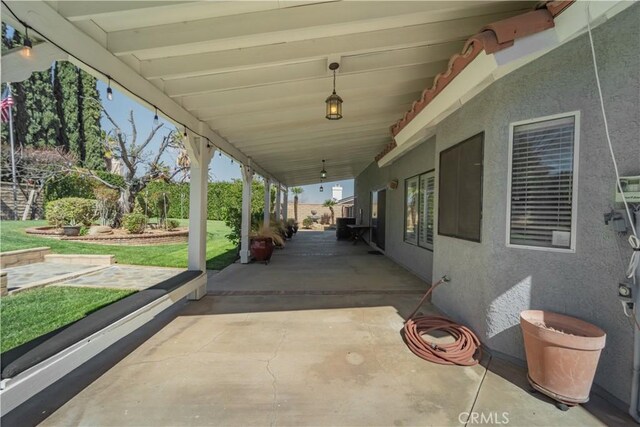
{"type": "Point", "coordinates": [221, 197]}
{"type": "Point", "coordinates": [75, 185]}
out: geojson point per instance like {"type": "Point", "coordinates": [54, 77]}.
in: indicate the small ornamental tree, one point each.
{"type": "Point", "coordinates": [296, 191]}
{"type": "Point", "coordinates": [330, 203]}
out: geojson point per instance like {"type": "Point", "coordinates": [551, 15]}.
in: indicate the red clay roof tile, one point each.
{"type": "Point", "coordinates": [492, 38]}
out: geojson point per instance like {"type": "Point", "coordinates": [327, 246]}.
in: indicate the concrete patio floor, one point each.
{"type": "Point", "coordinates": [311, 339]}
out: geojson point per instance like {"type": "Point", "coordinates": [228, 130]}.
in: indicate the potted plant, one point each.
{"type": "Point", "coordinates": [293, 225]}
{"type": "Point", "coordinates": [279, 228]}
{"type": "Point", "coordinates": [70, 214]}
{"type": "Point", "coordinates": [290, 228]}
{"type": "Point", "coordinates": [562, 355]}
{"type": "Point", "coordinates": [71, 229]}
{"type": "Point", "coordinates": [263, 241]}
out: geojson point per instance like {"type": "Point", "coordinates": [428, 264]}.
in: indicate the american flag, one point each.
{"type": "Point", "coordinates": [7, 103]}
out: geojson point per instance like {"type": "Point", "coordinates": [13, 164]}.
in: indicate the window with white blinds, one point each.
{"type": "Point", "coordinates": [418, 224]}
{"type": "Point", "coordinates": [427, 184]}
{"type": "Point", "coordinates": [542, 185]}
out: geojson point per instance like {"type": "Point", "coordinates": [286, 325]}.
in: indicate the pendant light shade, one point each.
{"type": "Point", "coordinates": [321, 188]}
{"type": "Point", "coordinates": [334, 102]}
{"type": "Point", "coordinates": [109, 90]}
{"type": "Point", "coordinates": [323, 172]}
{"type": "Point", "coordinates": [26, 44]}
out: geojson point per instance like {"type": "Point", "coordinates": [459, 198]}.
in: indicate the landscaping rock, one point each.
{"type": "Point", "coordinates": [100, 229]}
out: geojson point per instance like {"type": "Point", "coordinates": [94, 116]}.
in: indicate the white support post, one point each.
{"type": "Point", "coordinates": [278, 202]}
{"type": "Point", "coordinates": [200, 155]}
{"type": "Point", "coordinates": [267, 202]}
{"type": "Point", "coordinates": [285, 205]}
{"type": "Point", "coordinates": [247, 180]}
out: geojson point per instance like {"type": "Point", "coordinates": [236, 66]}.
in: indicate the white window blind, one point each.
{"type": "Point", "coordinates": [427, 184]}
{"type": "Point", "coordinates": [542, 175]}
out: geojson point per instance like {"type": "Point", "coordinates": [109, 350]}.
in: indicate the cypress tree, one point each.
{"type": "Point", "coordinates": [90, 125]}
{"type": "Point", "coordinates": [44, 124]}
{"type": "Point", "coordinates": [66, 91]}
{"type": "Point", "coordinates": [78, 105]}
{"type": "Point", "coordinates": [20, 114]}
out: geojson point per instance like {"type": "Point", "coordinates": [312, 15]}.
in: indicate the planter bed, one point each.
{"type": "Point", "coordinates": [118, 237]}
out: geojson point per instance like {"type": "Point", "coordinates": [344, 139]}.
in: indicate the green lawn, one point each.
{"type": "Point", "coordinates": [30, 314]}
{"type": "Point", "coordinates": [220, 252]}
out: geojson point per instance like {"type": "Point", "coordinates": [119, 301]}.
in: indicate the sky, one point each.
{"type": "Point", "coordinates": [221, 168]}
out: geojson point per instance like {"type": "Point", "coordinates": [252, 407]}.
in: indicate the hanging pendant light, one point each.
{"type": "Point", "coordinates": [109, 90]}
{"type": "Point", "coordinates": [156, 120]}
{"type": "Point", "coordinates": [26, 44]}
{"type": "Point", "coordinates": [323, 172]}
{"type": "Point", "coordinates": [334, 102]}
{"type": "Point", "coordinates": [321, 187]}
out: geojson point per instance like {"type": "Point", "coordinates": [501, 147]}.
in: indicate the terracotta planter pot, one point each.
{"type": "Point", "coordinates": [562, 354]}
{"type": "Point", "coordinates": [261, 249]}
{"type": "Point", "coordinates": [71, 230]}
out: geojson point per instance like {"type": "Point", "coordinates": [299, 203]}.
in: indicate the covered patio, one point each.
{"type": "Point", "coordinates": [313, 338]}
{"type": "Point", "coordinates": [300, 343]}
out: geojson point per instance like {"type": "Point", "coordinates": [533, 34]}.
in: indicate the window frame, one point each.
{"type": "Point", "coordinates": [481, 207]}
{"type": "Point", "coordinates": [419, 227]}
{"type": "Point", "coordinates": [425, 245]}
{"type": "Point", "coordinates": [406, 206]}
{"type": "Point", "coordinates": [574, 188]}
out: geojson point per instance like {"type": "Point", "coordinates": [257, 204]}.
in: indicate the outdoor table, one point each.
{"type": "Point", "coordinates": [357, 232]}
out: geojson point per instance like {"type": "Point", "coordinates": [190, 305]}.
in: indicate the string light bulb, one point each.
{"type": "Point", "coordinates": [156, 120]}
{"type": "Point", "coordinates": [26, 44]}
{"type": "Point", "coordinates": [109, 90]}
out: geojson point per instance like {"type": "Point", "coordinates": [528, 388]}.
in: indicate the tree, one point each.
{"type": "Point", "coordinates": [296, 191]}
{"type": "Point", "coordinates": [330, 203]}
{"type": "Point", "coordinates": [43, 128]}
{"type": "Point", "coordinates": [36, 167]}
{"type": "Point", "coordinates": [78, 106]}
{"type": "Point", "coordinates": [132, 155]}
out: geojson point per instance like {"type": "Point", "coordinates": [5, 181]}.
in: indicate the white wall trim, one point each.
{"type": "Point", "coordinates": [574, 196]}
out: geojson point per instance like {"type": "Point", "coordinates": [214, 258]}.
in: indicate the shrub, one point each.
{"type": "Point", "coordinates": [71, 211]}
{"type": "Point", "coordinates": [172, 224]}
{"type": "Point", "coordinates": [307, 222]}
{"type": "Point", "coordinates": [325, 219]}
{"type": "Point", "coordinates": [106, 204]}
{"type": "Point", "coordinates": [160, 202]}
{"type": "Point", "coordinates": [134, 222]}
{"type": "Point", "coordinates": [77, 185]}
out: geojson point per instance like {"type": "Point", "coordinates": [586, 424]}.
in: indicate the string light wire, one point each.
{"type": "Point", "coordinates": [28, 27]}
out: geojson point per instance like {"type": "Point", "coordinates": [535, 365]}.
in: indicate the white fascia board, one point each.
{"type": "Point", "coordinates": [16, 67]}
{"type": "Point", "coordinates": [485, 69]}
{"type": "Point", "coordinates": [479, 73]}
{"type": "Point", "coordinates": [46, 21]}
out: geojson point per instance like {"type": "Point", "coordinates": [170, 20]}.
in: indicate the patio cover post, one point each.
{"type": "Point", "coordinates": [200, 155]}
{"type": "Point", "coordinates": [267, 201]}
{"type": "Point", "coordinates": [285, 204]}
{"type": "Point", "coordinates": [278, 202]}
{"type": "Point", "coordinates": [247, 180]}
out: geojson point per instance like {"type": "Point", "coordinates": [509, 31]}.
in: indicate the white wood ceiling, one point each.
{"type": "Point", "coordinates": [257, 72]}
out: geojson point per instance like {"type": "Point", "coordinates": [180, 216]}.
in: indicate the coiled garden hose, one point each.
{"type": "Point", "coordinates": [464, 351]}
